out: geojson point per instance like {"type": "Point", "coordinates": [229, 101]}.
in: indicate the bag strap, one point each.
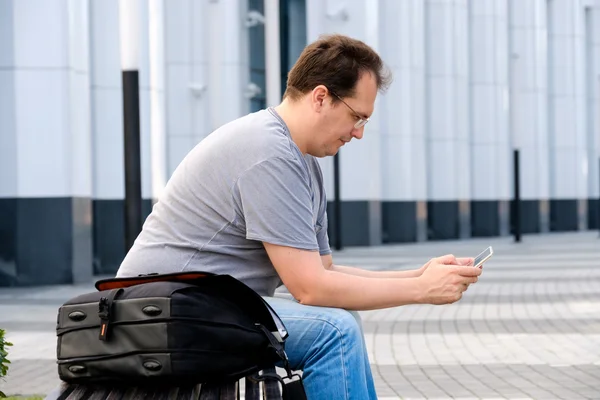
{"type": "Point", "coordinates": [105, 306]}
{"type": "Point", "coordinates": [278, 347]}
{"type": "Point", "coordinates": [293, 389]}
{"type": "Point", "coordinates": [192, 277]}
{"type": "Point", "coordinates": [281, 333]}
{"type": "Point", "coordinates": [281, 330]}
{"type": "Point", "coordinates": [186, 277]}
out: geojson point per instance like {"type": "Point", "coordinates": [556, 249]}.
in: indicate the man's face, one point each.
{"type": "Point", "coordinates": [335, 124]}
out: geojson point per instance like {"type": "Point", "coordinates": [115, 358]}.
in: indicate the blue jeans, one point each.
{"type": "Point", "coordinates": [327, 344]}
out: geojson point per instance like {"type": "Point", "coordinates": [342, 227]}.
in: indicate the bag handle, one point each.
{"type": "Point", "coordinates": [114, 283]}
{"type": "Point", "coordinates": [105, 306]}
{"type": "Point", "coordinates": [190, 277]}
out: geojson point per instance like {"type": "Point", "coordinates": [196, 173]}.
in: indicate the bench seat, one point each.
{"type": "Point", "coordinates": [227, 391]}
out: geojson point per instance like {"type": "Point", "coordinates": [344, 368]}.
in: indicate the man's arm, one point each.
{"type": "Point", "coordinates": [327, 261]}
{"type": "Point", "coordinates": [302, 272]}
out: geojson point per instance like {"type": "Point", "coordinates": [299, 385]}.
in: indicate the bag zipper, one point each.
{"type": "Point", "coordinates": [62, 331]}
{"type": "Point", "coordinates": [132, 353]}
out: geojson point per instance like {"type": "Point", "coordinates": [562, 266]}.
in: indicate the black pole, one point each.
{"type": "Point", "coordinates": [337, 228]}
{"type": "Point", "coordinates": [133, 179]}
{"type": "Point", "coordinates": [598, 205]}
{"type": "Point", "coordinates": [517, 199]}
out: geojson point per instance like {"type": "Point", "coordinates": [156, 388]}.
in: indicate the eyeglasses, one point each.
{"type": "Point", "coordinates": [361, 121]}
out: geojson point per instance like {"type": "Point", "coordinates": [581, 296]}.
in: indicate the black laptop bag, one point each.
{"type": "Point", "coordinates": [168, 329]}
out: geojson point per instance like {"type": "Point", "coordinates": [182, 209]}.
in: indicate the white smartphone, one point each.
{"type": "Point", "coordinates": [483, 257]}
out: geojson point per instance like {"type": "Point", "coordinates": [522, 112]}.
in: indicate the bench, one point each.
{"type": "Point", "coordinates": [253, 390]}
{"type": "Point", "coordinates": [268, 390]}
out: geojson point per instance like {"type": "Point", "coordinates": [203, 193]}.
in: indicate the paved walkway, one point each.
{"type": "Point", "coordinates": [530, 329]}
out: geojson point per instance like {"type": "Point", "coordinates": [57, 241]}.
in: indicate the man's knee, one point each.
{"type": "Point", "coordinates": [347, 324]}
{"type": "Point", "coordinates": [358, 320]}
{"type": "Point", "coordinates": [325, 323]}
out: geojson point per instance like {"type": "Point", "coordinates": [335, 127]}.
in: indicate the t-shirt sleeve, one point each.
{"type": "Point", "coordinates": [322, 236]}
{"type": "Point", "coordinates": [322, 221]}
{"type": "Point", "coordinates": [276, 203]}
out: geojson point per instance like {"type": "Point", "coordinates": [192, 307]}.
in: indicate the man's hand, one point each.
{"type": "Point", "coordinates": [444, 279]}
{"type": "Point", "coordinates": [466, 261]}
{"type": "Point", "coordinates": [448, 259]}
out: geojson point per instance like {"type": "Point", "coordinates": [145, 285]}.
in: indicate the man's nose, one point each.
{"type": "Point", "coordinates": [358, 133]}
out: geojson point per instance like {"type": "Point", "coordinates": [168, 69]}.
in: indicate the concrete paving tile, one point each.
{"type": "Point", "coordinates": [528, 329]}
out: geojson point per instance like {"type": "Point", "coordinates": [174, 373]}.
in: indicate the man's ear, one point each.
{"type": "Point", "coordinates": [318, 97]}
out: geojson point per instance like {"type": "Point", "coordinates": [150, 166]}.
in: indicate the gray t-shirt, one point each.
{"type": "Point", "coordinates": [245, 183]}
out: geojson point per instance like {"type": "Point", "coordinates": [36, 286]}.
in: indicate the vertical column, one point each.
{"type": "Point", "coordinates": [566, 120]}
{"type": "Point", "coordinates": [315, 21]}
{"type": "Point", "coordinates": [201, 86]}
{"type": "Point", "coordinates": [273, 52]}
{"type": "Point", "coordinates": [462, 112]}
{"type": "Point", "coordinates": [489, 118]}
{"type": "Point", "coordinates": [48, 97]}
{"type": "Point", "coordinates": [231, 74]}
{"type": "Point", "coordinates": [179, 55]}
{"type": "Point", "coordinates": [447, 119]}
{"type": "Point", "coordinates": [145, 107]}
{"type": "Point", "coordinates": [206, 70]}
{"type": "Point", "coordinates": [107, 133]}
{"type": "Point", "coordinates": [292, 35]}
{"type": "Point", "coordinates": [581, 89]}
{"type": "Point", "coordinates": [592, 24]}
{"type": "Point", "coordinates": [8, 147]}
{"type": "Point", "coordinates": [107, 123]}
{"type": "Point", "coordinates": [404, 161]}
{"type": "Point", "coordinates": [152, 102]}
{"type": "Point", "coordinates": [256, 88]}
{"type": "Point", "coordinates": [80, 143]}
{"type": "Point", "coordinates": [297, 31]}
{"type": "Point", "coordinates": [130, 29]}
{"type": "Point", "coordinates": [156, 55]}
{"type": "Point", "coordinates": [360, 187]}
{"type": "Point", "coordinates": [528, 108]}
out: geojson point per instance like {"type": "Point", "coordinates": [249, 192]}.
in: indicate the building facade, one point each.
{"type": "Point", "coordinates": [473, 81]}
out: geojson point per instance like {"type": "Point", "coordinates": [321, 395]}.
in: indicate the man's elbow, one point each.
{"type": "Point", "coordinates": [308, 294]}
{"type": "Point", "coordinates": [327, 261]}
{"type": "Point", "coordinates": [308, 299]}
{"type": "Point", "coordinates": [304, 296]}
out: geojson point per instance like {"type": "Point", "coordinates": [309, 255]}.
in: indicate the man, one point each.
{"type": "Point", "coordinates": [249, 201]}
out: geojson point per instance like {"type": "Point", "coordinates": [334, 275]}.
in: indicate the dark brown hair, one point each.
{"type": "Point", "coordinates": [337, 62]}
